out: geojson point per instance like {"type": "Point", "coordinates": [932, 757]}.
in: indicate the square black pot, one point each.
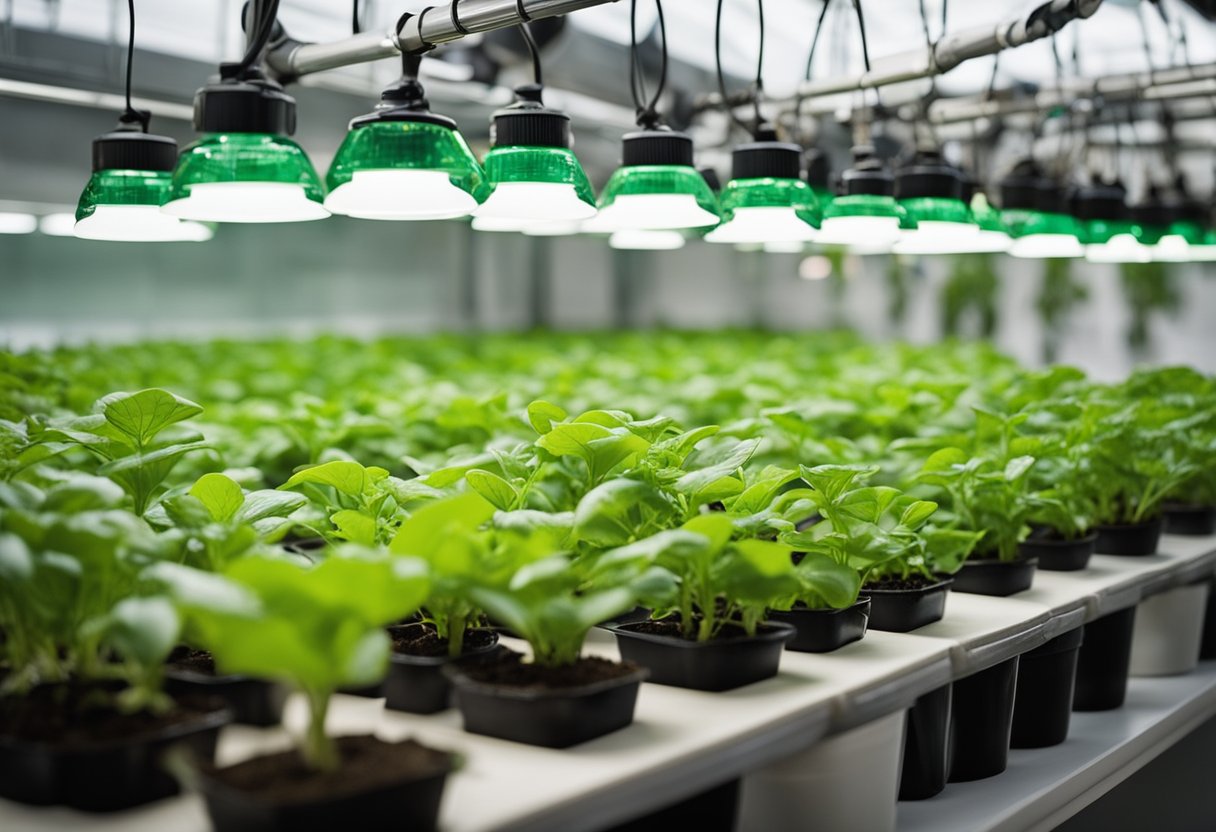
{"type": "Point", "coordinates": [1129, 539]}
{"type": "Point", "coordinates": [418, 685]}
{"type": "Point", "coordinates": [104, 777]}
{"type": "Point", "coordinates": [1058, 554]}
{"type": "Point", "coordinates": [257, 702]}
{"type": "Point", "coordinates": [995, 577]}
{"type": "Point", "coordinates": [720, 664]}
{"type": "Point", "coordinates": [822, 631]}
{"type": "Point", "coordinates": [1198, 521]}
{"type": "Point", "coordinates": [902, 610]}
{"type": "Point", "coordinates": [551, 718]}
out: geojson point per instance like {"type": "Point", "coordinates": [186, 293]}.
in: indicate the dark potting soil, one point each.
{"type": "Point", "coordinates": [670, 628]}
{"type": "Point", "coordinates": [510, 670]}
{"type": "Point", "coordinates": [367, 764]}
{"type": "Point", "coordinates": [78, 715]}
{"type": "Point", "coordinates": [900, 584]}
{"type": "Point", "coordinates": [424, 641]}
{"type": "Point", "coordinates": [191, 660]}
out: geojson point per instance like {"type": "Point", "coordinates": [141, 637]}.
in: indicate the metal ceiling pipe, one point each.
{"type": "Point", "coordinates": [944, 55]}
{"type": "Point", "coordinates": [1185, 82]}
{"type": "Point", "coordinates": [432, 27]}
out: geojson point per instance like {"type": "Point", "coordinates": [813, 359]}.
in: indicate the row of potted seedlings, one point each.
{"type": "Point", "coordinates": [701, 562]}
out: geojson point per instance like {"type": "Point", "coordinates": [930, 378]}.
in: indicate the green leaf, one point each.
{"type": "Point", "coordinates": [618, 511]}
{"type": "Point", "coordinates": [16, 564]}
{"type": "Point", "coordinates": [349, 478]}
{"type": "Point", "coordinates": [917, 513]}
{"type": "Point", "coordinates": [833, 480]}
{"type": "Point", "coordinates": [424, 531]}
{"type": "Point", "coordinates": [542, 415]}
{"type": "Point", "coordinates": [824, 582]}
{"type": "Point", "coordinates": [263, 504]}
{"type": "Point", "coordinates": [144, 630]}
{"type": "Point", "coordinates": [493, 487]}
{"type": "Point", "coordinates": [141, 416]}
{"type": "Point", "coordinates": [1017, 467]}
{"type": "Point", "coordinates": [354, 526]}
{"type": "Point", "coordinates": [221, 496]}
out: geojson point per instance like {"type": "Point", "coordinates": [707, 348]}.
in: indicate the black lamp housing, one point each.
{"type": "Point", "coordinates": [657, 146]}
{"type": "Point", "coordinates": [868, 176]}
{"type": "Point", "coordinates": [528, 122]}
{"type": "Point", "coordinates": [250, 103]}
{"type": "Point", "coordinates": [926, 174]}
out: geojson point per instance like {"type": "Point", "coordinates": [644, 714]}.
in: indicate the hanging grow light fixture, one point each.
{"type": "Point", "coordinates": [131, 179]}
{"type": "Point", "coordinates": [403, 162]}
{"type": "Point", "coordinates": [1034, 212]}
{"type": "Point", "coordinates": [1107, 230]}
{"type": "Point", "coordinates": [532, 176]}
{"type": "Point", "coordinates": [766, 199]}
{"type": "Point", "coordinates": [931, 193]}
{"type": "Point", "coordinates": [656, 186]}
{"type": "Point", "coordinates": [864, 212]}
{"type": "Point", "coordinates": [245, 168]}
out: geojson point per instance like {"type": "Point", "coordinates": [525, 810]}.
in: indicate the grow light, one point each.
{"type": "Point", "coordinates": [57, 225]}
{"type": "Point", "coordinates": [642, 239]}
{"type": "Point", "coordinates": [865, 213]}
{"type": "Point", "coordinates": [1109, 236]}
{"type": "Point", "coordinates": [245, 169]}
{"type": "Point", "coordinates": [930, 192]}
{"type": "Point", "coordinates": [765, 201]}
{"type": "Point", "coordinates": [1176, 244]}
{"type": "Point", "coordinates": [656, 187]}
{"type": "Point", "coordinates": [1033, 210]}
{"type": "Point", "coordinates": [17, 223]}
{"type": "Point", "coordinates": [531, 173]}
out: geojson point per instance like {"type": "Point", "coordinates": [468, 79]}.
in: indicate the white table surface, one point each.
{"type": "Point", "coordinates": [684, 742]}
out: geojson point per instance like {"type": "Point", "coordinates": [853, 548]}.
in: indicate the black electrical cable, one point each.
{"type": "Point", "coordinates": [355, 28]}
{"type": "Point", "coordinates": [646, 108]}
{"type": "Point", "coordinates": [265, 13]}
{"type": "Point", "coordinates": [130, 114]}
{"type": "Point", "coordinates": [861, 26]}
{"type": "Point", "coordinates": [534, 51]}
{"type": "Point", "coordinates": [810, 60]}
{"type": "Point", "coordinates": [759, 82]}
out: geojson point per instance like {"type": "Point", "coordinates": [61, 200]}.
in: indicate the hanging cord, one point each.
{"type": "Point", "coordinates": [130, 115]}
{"type": "Point", "coordinates": [355, 28]}
{"type": "Point", "coordinates": [758, 84]}
{"type": "Point", "coordinates": [977, 159]}
{"type": "Point", "coordinates": [645, 109]}
{"type": "Point", "coordinates": [810, 61]}
{"type": "Point", "coordinates": [931, 93]}
{"type": "Point", "coordinates": [1168, 159]}
{"type": "Point", "coordinates": [865, 50]}
{"type": "Point", "coordinates": [534, 51]}
{"type": "Point", "coordinates": [263, 17]}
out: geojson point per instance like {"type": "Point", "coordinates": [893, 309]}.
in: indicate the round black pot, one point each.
{"type": "Point", "coordinates": [1183, 518]}
{"type": "Point", "coordinates": [407, 804]}
{"type": "Point", "coordinates": [556, 718]}
{"type": "Point", "coordinates": [1056, 554]}
{"type": "Point", "coordinates": [720, 664]}
{"type": "Point", "coordinates": [981, 718]}
{"type": "Point", "coordinates": [417, 684]}
{"type": "Point", "coordinates": [1103, 662]}
{"type": "Point", "coordinates": [995, 577]}
{"type": "Point", "coordinates": [1043, 702]}
{"type": "Point", "coordinates": [256, 702]}
{"type": "Point", "coordinates": [901, 610]}
{"type": "Point", "coordinates": [926, 746]}
{"type": "Point", "coordinates": [1207, 649]}
{"type": "Point", "coordinates": [104, 777]}
{"type": "Point", "coordinates": [1131, 539]}
{"type": "Point", "coordinates": [822, 631]}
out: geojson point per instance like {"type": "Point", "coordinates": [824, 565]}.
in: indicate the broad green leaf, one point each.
{"type": "Point", "coordinates": [1017, 467]}
{"type": "Point", "coordinates": [143, 629]}
{"type": "Point", "coordinates": [424, 530]}
{"type": "Point", "coordinates": [221, 496]}
{"type": "Point", "coordinates": [917, 513]}
{"type": "Point", "coordinates": [354, 526]}
{"type": "Point", "coordinates": [542, 415]}
{"type": "Point", "coordinates": [141, 416]}
{"type": "Point", "coordinates": [493, 487]}
{"type": "Point", "coordinates": [349, 478]}
{"type": "Point", "coordinates": [263, 504]}
{"type": "Point", "coordinates": [824, 582]}
{"type": "Point", "coordinates": [16, 564]}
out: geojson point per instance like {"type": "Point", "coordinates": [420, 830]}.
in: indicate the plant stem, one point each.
{"type": "Point", "coordinates": [319, 750]}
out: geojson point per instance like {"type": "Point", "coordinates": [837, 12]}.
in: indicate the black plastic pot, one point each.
{"type": "Point", "coordinates": [1043, 703]}
{"type": "Point", "coordinates": [981, 718]}
{"type": "Point", "coordinates": [720, 664]}
{"type": "Point", "coordinates": [995, 577]}
{"type": "Point", "coordinates": [375, 691]}
{"type": "Point", "coordinates": [1129, 540]}
{"type": "Point", "coordinates": [410, 804]}
{"type": "Point", "coordinates": [1183, 518]}
{"type": "Point", "coordinates": [551, 718]}
{"type": "Point", "coordinates": [711, 811]}
{"type": "Point", "coordinates": [822, 631]}
{"type": "Point", "coordinates": [417, 684]}
{"type": "Point", "coordinates": [252, 701]}
{"type": "Point", "coordinates": [1103, 662]}
{"type": "Point", "coordinates": [107, 776]}
{"type": "Point", "coordinates": [901, 610]}
{"type": "Point", "coordinates": [1056, 554]}
{"type": "Point", "coordinates": [1207, 649]}
{"type": "Point", "coordinates": [926, 746]}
